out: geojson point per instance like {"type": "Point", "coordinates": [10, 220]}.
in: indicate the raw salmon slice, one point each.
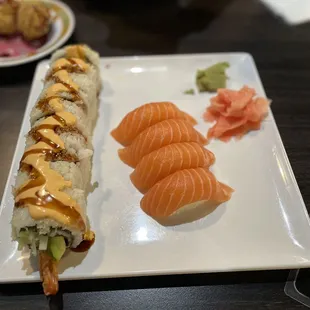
{"type": "Point", "coordinates": [184, 189]}
{"type": "Point", "coordinates": [167, 160]}
{"type": "Point", "coordinates": [145, 116]}
{"type": "Point", "coordinates": [157, 136]}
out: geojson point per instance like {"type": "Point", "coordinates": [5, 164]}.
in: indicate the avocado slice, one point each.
{"type": "Point", "coordinates": [57, 246]}
{"type": "Point", "coordinates": [23, 239]}
{"type": "Point", "coordinates": [24, 234]}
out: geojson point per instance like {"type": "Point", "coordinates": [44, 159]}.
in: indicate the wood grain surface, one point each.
{"type": "Point", "coordinates": [123, 27]}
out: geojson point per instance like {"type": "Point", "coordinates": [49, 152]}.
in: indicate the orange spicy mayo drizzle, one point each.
{"type": "Point", "coordinates": [65, 83]}
{"type": "Point", "coordinates": [43, 194]}
{"type": "Point", "coordinates": [59, 72]}
{"type": "Point", "coordinates": [71, 65]}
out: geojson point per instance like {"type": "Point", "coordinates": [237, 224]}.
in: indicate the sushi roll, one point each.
{"type": "Point", "coordinates": [53, 180]}
{"type": "Point", "coordinates": [72, 84]}
{"type": "Point", "coordinates": [81, 51]}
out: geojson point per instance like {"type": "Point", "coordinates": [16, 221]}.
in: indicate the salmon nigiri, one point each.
{"type": "Point", "coordinates": [157, 136]}
{"type": "Point", "coordinates": [167, 160]}
{"type": "Point", "coordinates": [184, 191]}
{"type": "Point", "coordinates": [145, 116]}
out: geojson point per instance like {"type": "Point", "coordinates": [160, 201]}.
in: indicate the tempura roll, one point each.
{"type": "Point", "coordinates": [24, 222]}
{"type": "Point", "coordinates": [73, 85]}
{"type": "Point", "coordinates": [54, 176]}
{"type": "Point", "coordinates": [80, 51]}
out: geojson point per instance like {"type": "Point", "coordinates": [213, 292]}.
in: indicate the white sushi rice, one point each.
{"type": "Point", "coordinates": [89, 97]}
{"type": "Point", "coordinates": [22, 219]}
{"type": "Point", "coordinates": [75, 144]}
{"type": "Point", "coordinates": [70, 172]}
{"type": "Point", "coordinates": [92, 56]}
{"type": "Point", "coordinates": [83, 123]}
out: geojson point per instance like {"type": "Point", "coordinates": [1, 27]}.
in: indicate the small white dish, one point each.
{"type": "Point", "coordinates": [265, 225]}
{"type": "Point", "coordinates": [62, 28]}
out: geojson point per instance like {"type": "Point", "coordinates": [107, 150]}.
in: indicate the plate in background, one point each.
{"type": "Point", "coordinates": [61, 29]}
{"type": "Point", "coordinates": [265, 225]}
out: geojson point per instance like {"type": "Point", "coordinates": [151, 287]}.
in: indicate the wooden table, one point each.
{"type": "Point", "coordinates": [282, 54]}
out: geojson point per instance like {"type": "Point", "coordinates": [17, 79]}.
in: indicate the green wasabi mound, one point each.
{"type": "Point", "coordinates": [189, 92]}
{"type": "Point", "coordinates": [212, 78]}
{"type": "Point", "coordinates": [56, 247]}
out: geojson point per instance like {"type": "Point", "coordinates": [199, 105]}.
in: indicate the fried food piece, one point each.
{"type": "Point", "coordinates": [7, 18]}
{"type": "Point", "coordinates": [48, 273]}
{"type": "Point", "coordinates": [33, 20]}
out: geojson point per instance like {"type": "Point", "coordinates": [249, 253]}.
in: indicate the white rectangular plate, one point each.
{"type": "Point", "coordinates": [265, 225]}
